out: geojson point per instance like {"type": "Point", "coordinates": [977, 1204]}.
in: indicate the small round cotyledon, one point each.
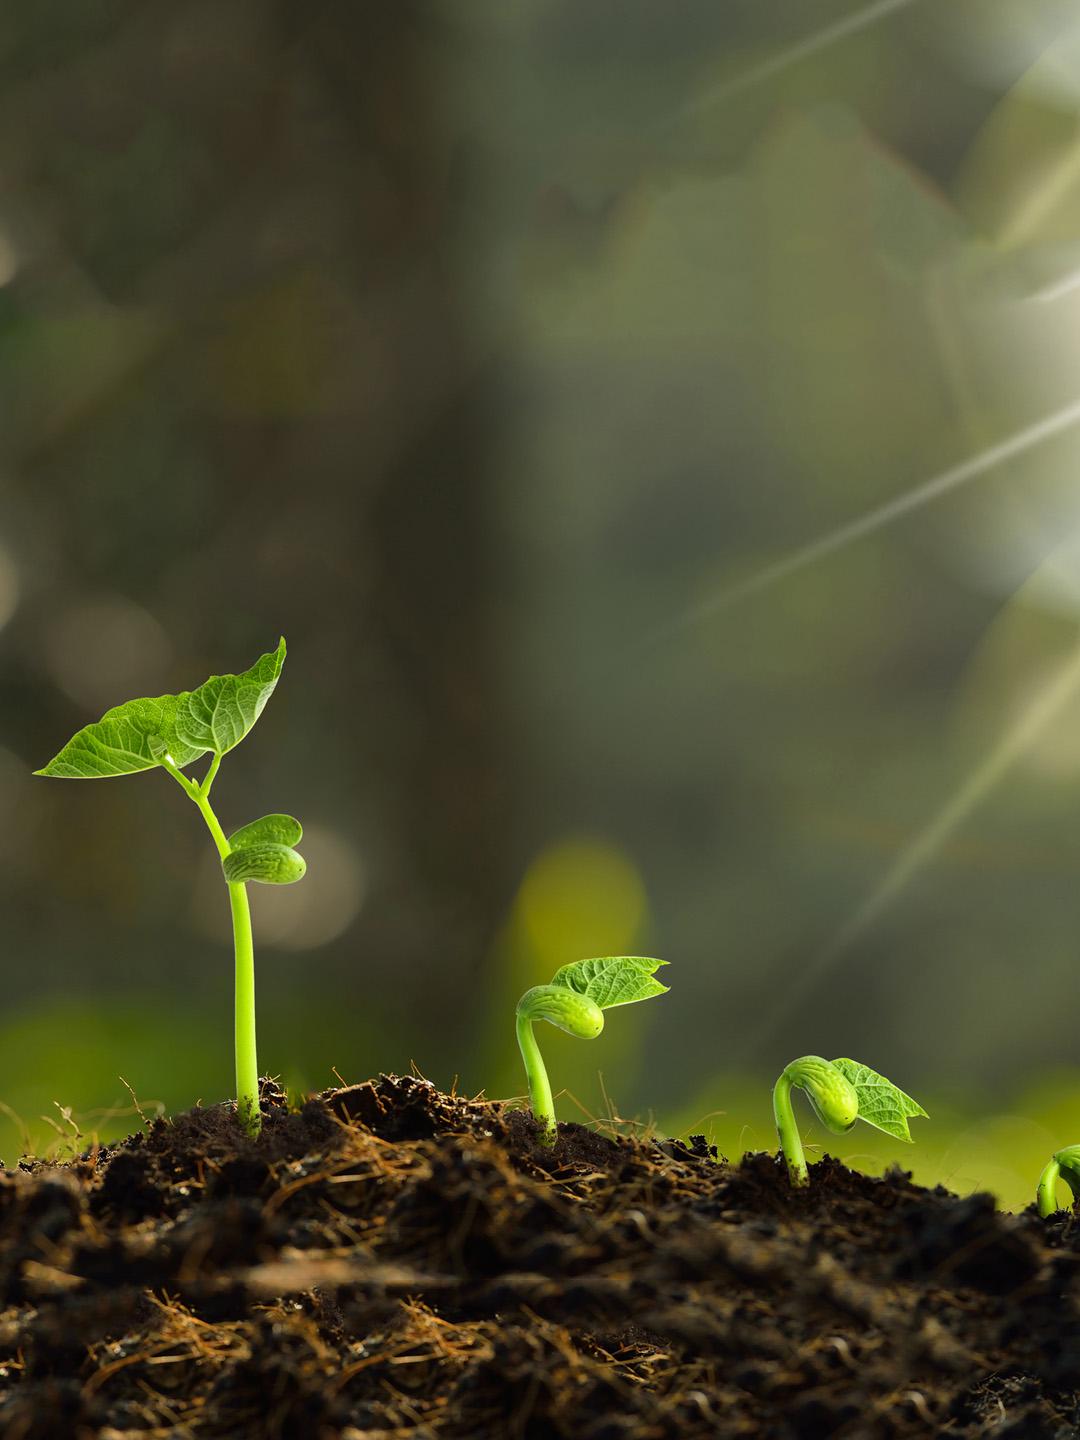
{"type": "Point", "coordinates": [170, 732]}
{"type": "Point", "coordinates": [840, 1092]}
{"type": "Point", "coordinates": [575, 1002]}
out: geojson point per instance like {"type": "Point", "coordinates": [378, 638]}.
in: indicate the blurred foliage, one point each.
{"type": "Point", "coordinates": [534, 369]}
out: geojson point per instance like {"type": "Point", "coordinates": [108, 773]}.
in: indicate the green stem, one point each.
{"type": "Point", "coordinates": [788, 1131]}
{"type": "Point", "coordinates": [247, 1064]}
{"type": "Point", "coordinates": [543, 1106]}
{"type": "Point", "coordinates": [208, 778]}
{"type": "Point", "coordinates": [1047, 1191]}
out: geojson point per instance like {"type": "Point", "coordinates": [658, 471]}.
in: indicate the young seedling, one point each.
{"type": "Point", "coordinates": [575, 1001]}
{"type": "Point", "coordinates": [170, 732]}
{"type": "Point", "coordinates": [1064, 1165]}
{"type": "Point", "coordinates": [840, 1092]}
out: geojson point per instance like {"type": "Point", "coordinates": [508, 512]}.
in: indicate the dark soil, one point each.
{"type": "Point", "coordinates": [395, 1262]}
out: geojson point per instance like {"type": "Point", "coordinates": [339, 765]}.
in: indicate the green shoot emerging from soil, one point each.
{"type": "Point", "coordinates": [1064, 1165]}
{"type": "Point", "coordinates": [575, 1001]}
{"type": "Point", "coordinates": [170, 732]}
{"type": "Point", "coordinates": [841, 1092]}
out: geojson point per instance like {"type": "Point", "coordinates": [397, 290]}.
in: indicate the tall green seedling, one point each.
{"type": "Point", "coordinates": [840, 1092]}
{"type": "Point", "coordinates": [171, 732]}
{"type": "Point", "coordinates": [575, 1001]}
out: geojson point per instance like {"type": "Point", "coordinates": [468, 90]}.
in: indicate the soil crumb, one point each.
{"type": "Point", "coordinates": [393, 1263]}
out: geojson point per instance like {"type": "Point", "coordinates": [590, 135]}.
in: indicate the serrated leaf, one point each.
{"type": "Point", "coordinates": [268, 830]}
{"type": "Point", "coordinates": [223, 709]}
{"type": "Point", "coordinates": [128, 738]}
{"type": "Point", "coordinates": [138, 734]}
{"type": "Point", "coordinates": [612, 979]}
{"type": "Point", "coordinates": [265, 864]}
{"type": "Point", "coordinates": [881, 1103]}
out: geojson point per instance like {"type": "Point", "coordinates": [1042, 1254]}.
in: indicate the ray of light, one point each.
{"type": "Point", "coordinates": [1058, 289]}
{"type": "Point", "coordinates": [801, 50]}
{"type": "Point", "coordinates": [1047, 704]}
{"type": "Point", "coordinates": [876, 519]}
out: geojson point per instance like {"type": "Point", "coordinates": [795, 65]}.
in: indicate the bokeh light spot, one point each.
{"type": "Point", "coordinates": [104, 651]}
{"type": "Point", "coordinates": [581, 897]}
{"type": "Point", "coordinates": [318, 908]}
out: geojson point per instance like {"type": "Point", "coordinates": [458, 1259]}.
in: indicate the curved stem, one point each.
{"type": "Point", "coordinates": [1047, 1191]}
{"type": "Point", "coordinates": [543, 1106]}
{"type": "Point", "coordinates": [788, 1131]}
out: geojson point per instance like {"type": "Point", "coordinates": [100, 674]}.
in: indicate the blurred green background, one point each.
{"type": "Point", "coordinates": [655, 425]}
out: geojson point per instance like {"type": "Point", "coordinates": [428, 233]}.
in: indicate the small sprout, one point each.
{"type": "Point", "coordinates": [575, 1001]}
{"type": "Point", "coordinates": [1064, 1165]}
{"type": "Point", "coordinates": [170, 732]}
{"type": "Point", "coordinates": [840, 1092]}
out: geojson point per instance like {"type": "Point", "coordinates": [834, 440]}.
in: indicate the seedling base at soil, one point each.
{"type": "Point", "coordinates": [393, 1262]}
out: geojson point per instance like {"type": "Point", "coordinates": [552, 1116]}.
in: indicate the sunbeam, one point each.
{"type": "Point", "coordinates": [873, 520]}
{"type": "Point", "coordinates": [1047, 704]}
{"type": "Point", "coordinates": [801, 50]}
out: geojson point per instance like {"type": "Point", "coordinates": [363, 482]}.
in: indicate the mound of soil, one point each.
{"type": "Point", "coordinates": [394, 1262]}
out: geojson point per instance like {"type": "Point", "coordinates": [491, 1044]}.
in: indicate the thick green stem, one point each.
{"type": "Point", "coordinates": [543, 1106]}
{"type": "Point", "coordinates": [247, 1064]}
{"type": "Point", "coordinates": [1047, 1192]}
{"type": "Point", "coordinates": [788, 1131]}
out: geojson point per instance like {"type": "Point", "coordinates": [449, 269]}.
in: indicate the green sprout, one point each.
{"type": "Point", "coordinates": [1064, 1165]}
{"type": "Point", "coordinates": [170, 732]}
{"type": "Point", "coordinates": [840, 1092]}
{"type": "Point", "coordinates": [575, 1001]}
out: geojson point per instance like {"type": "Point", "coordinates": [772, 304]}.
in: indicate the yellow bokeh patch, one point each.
{"type": "Point", "coordinates": [580, 896]}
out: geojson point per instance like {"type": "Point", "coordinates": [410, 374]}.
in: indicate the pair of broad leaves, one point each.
{"type": "Point", "coordinates": [141, 733]}
{"type": "Point", "coordinates": [612, 980]}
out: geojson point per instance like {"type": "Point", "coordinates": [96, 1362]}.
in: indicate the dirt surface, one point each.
{"type": "Point", "coordinates": [395, 1262]}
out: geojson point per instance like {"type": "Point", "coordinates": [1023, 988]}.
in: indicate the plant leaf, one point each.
{"type": "Point", "coordinates": [268, 830]}
{"type": "Point", "coordinates": [223, 709]}
{"type": "Point", "coordinates": [266, 864]}
{"type": "Point", "coordinates": [127, 738]}
{"type": "Point", "coordinates": [138, 734]}
{"type": "Point", "coordinates": [881, 1103]}
{"type": "Point", "coordinates": [612, 979]}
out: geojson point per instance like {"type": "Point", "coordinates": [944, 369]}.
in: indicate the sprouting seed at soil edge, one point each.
{"type": "Point", "coordinates": [840, 1092]}
{"type": "Point", "coordinates": [574, 1001]}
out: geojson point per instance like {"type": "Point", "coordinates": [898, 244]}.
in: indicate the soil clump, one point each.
{"type": "Point", "coordinates": [393, 1263]}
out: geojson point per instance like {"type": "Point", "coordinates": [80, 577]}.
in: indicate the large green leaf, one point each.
{"type": "Point", "coordinates": [125, 740]}
{"type": "Point", "coordinates": [138, 734]}
{"type": "Point", "coordinates": [223, 709]}
{"type": "Point", "coordinates": [613, 979]}
{"type": "Point", "coordinates": [881, 1103]}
